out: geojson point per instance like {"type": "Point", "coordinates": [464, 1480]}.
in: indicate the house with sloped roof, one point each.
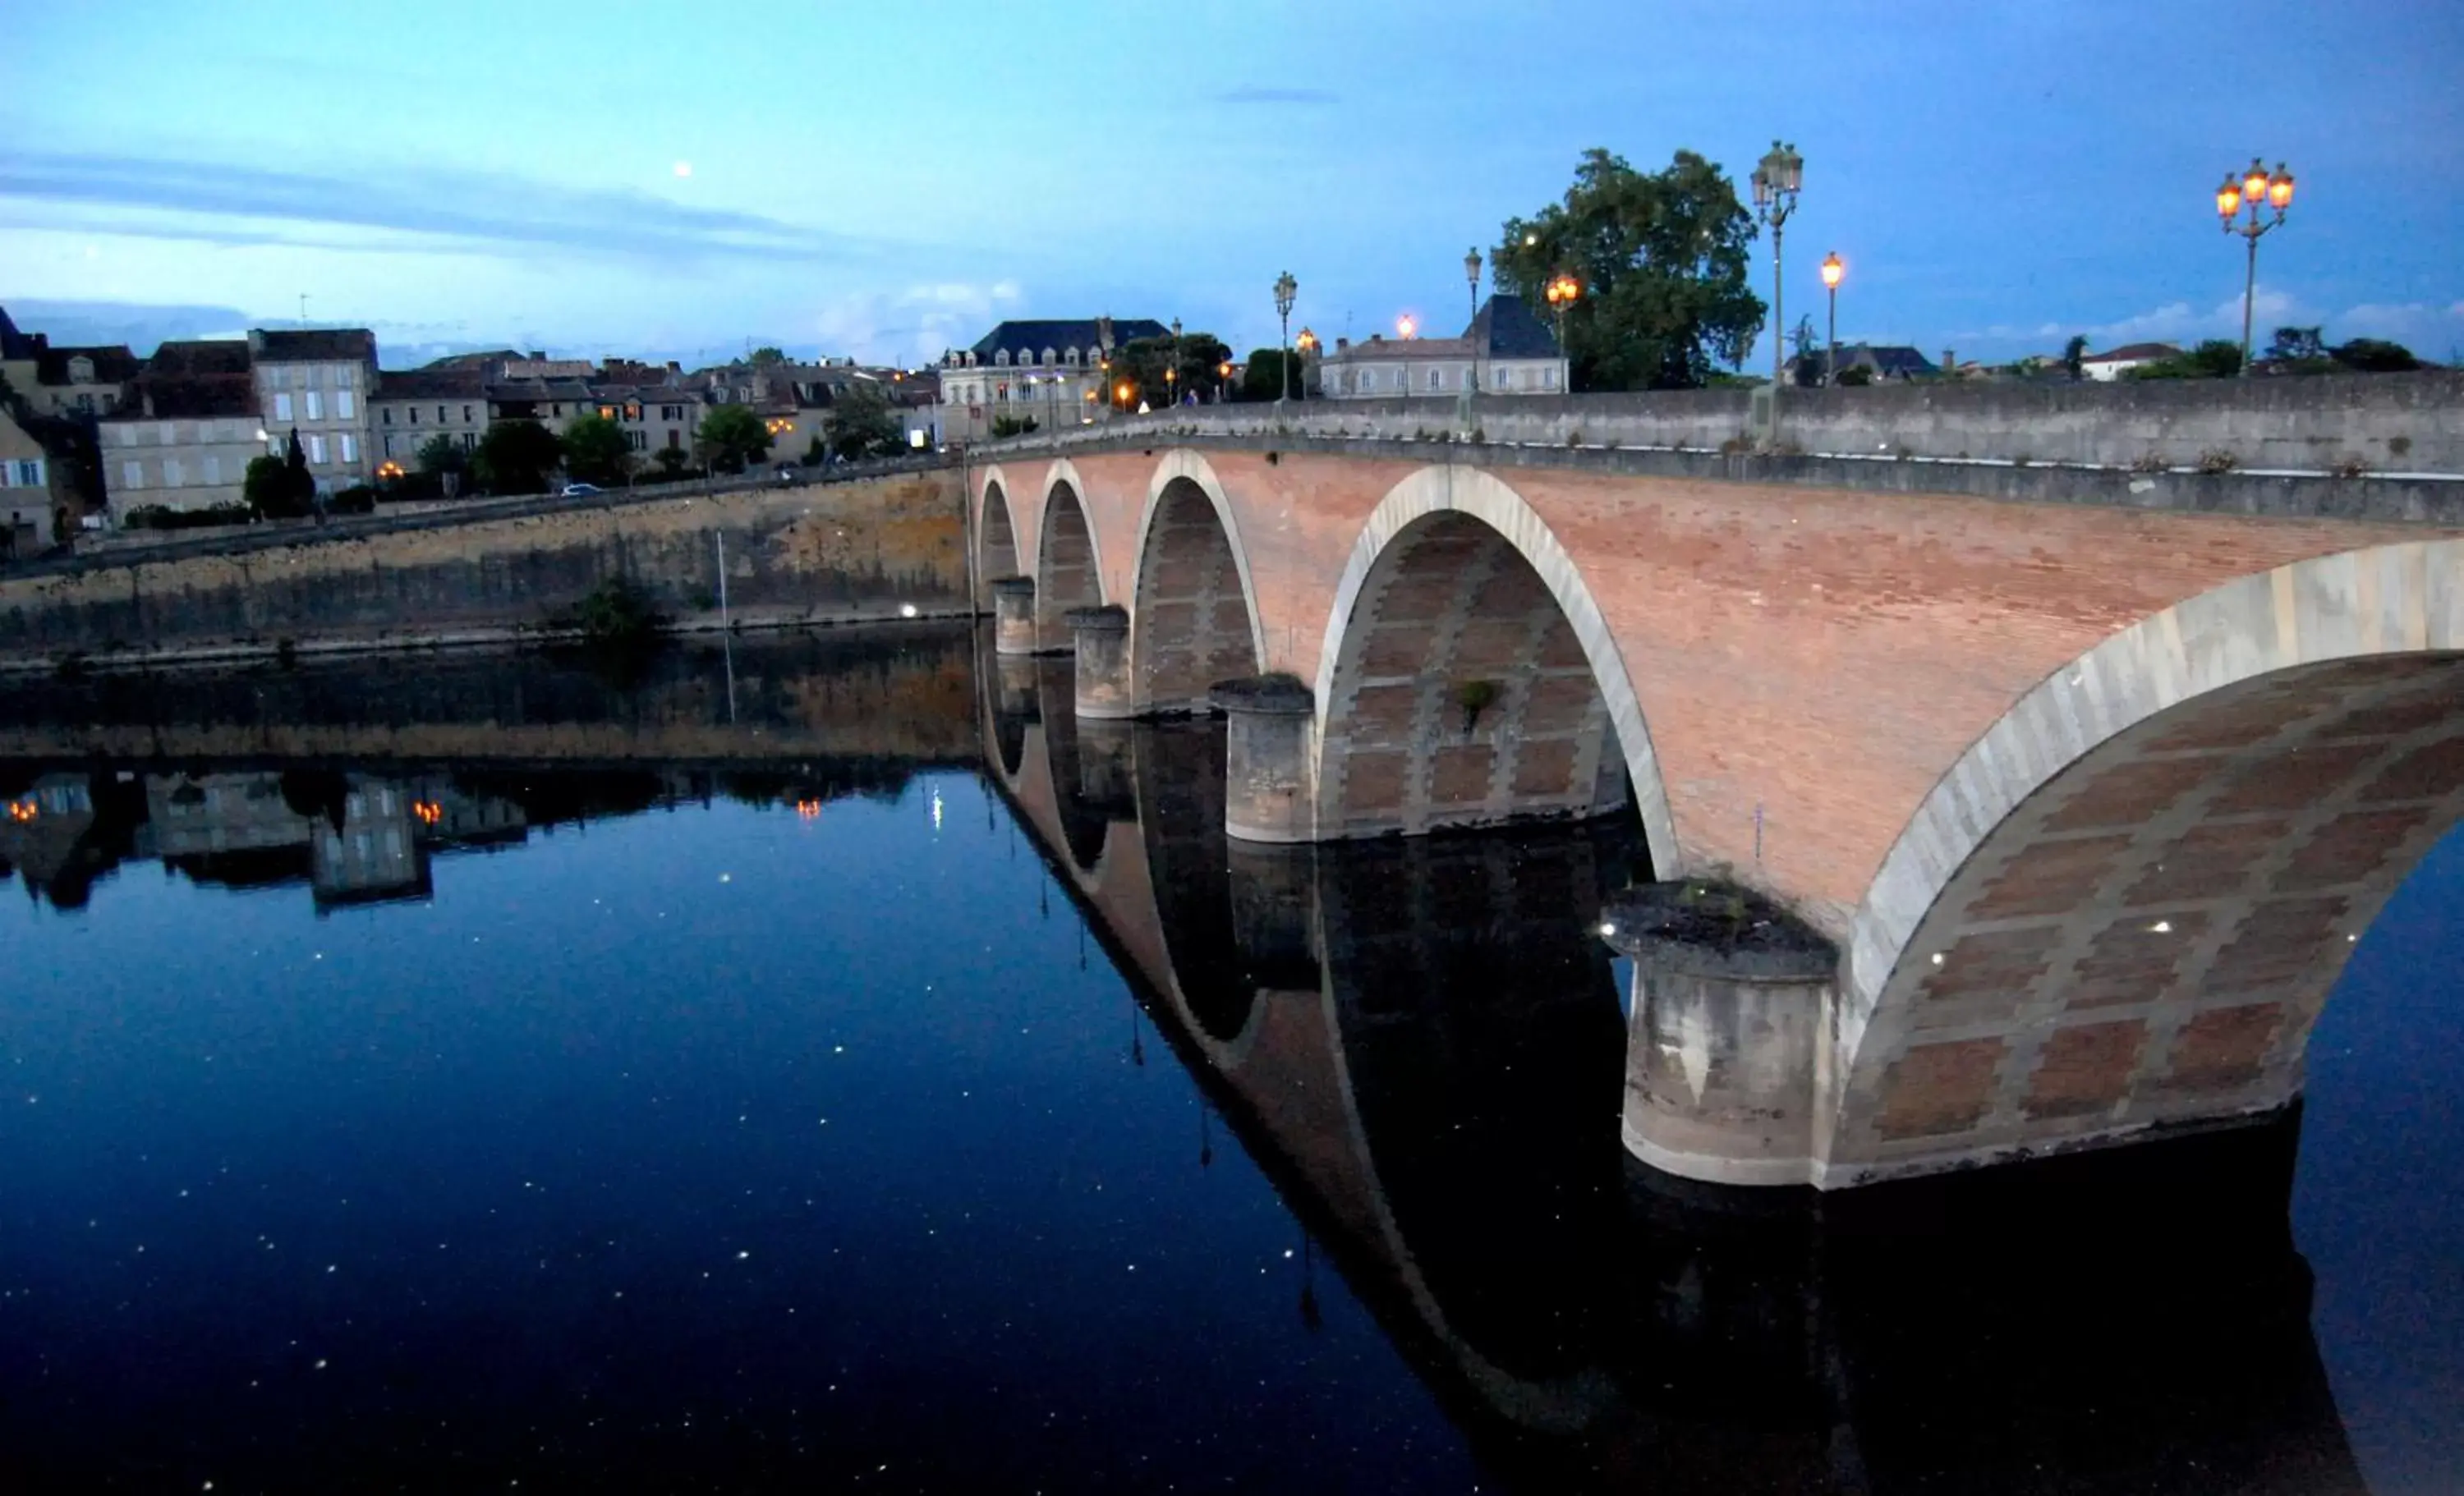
{"type": "Point", "coordinates": [1050, 369]}
{"type": "Point", "coordinates": [184, 436]}
{"type": "Point", "coordinates": [1504, 351]}
{"type": "Point", "coordinates": [2114, 363]}
{"type": "Point", "coordinates": [317, 381]}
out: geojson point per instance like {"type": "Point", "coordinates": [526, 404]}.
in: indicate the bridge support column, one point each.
{"type": "Point", "coordinates": [1274, 907]}
{"type": "Point", "coordinates": [1731, 996]}
{"type": "Point", "coordinates": [1016, 696]}
{"type": "Point", "coordinates": [1107, 773]}
{"type": "Point", "coordinates": [1102, 636]}
{"type": "Point", "coordinates": [1013, 615]}
{"type": "Point", "coordinates": [1270, 793]}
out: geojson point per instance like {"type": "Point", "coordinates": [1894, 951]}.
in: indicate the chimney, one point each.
{"type": "Point", "coordinates": [1949, 363]}
{"type": "Point", "coordinates": [148, 396]}
{"type": "Point", "coordinates": [1341, 343]}
{"type": "Point", "coordinates": [673, 367]}
{"type": "Point", "coordinates": [540, 355]}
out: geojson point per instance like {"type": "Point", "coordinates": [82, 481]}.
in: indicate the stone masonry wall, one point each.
{"type": "Point", "coordinates": [827, 553]}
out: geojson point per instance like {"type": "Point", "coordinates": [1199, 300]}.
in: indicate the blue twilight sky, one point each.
{"type": "Point", "coordinates": [887, 179]}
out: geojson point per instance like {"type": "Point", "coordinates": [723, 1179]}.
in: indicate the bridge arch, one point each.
{"type": "Point", "coordinates": [1194, 616]}
{"type": "Point", "coordinates": [2123, 907]}
{"type": "Point", "coordinates": [1068, 558]}
{"type": "Point", "coordinates": [1455, 581]}
{"type": "Point", "coordinates": [996, 553]}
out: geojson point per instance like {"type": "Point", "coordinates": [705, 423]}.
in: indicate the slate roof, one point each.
{"type": "Point", "coordinates": [432, 383]}
{"type": "Point", "coordinates": [1506, 329]}
{"type": "Point", "coordinates": [1380, 349]}
{"type": "Point", "coordinates": [112, 363]}
{"type": "Point", "coordinates": [1033, 336]}
{"type": "Point", "coordinates": [199, 358]}
{"type": "Point", "coordinates": [13, 344]}
{"type": "Point", "coordinates": [2134, 353]}
{"type": "Point", "coordinates": [315, 345]}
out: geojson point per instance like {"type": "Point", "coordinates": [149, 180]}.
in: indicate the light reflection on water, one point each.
{"type": "Point", "coordinates": [628, 1111]}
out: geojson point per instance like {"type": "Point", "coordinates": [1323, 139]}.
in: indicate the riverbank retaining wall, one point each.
{"type": "Point", "coordinates": [809, 554]}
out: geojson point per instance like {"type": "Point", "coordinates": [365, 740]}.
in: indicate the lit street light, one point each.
{"type": "Point", "coordinates": [1471, 274]}
{"type": "Point", "coordinates": [1286, 289]}
{"type": "Point", "coordinates": [1832, 271]}
{"type": "Point", "coordinates": [1776, 180]}
{"type": "Point", "coordinates": [1307, 343]}
{"type": "Point", "coordinates": [1407, 327]}
{"type": "Point", "coordinates": [2255, 189]}
{"type": "Point", "coordinates": [1563, 291]}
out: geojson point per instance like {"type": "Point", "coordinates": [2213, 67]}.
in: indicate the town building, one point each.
{"type": "Point", "coordinates": [1504, 351]}
{"type": "Point", "coordinates": [34, 507]}
{"type": "Point", "coordinates": [1895, 362]}
{"type": "Point", "coordinates": [415, 408]}
{"type": "Point", "coordinates": [317, 383]}
{"type": "Point", "coordinates": [63, 382]}
{"type": "Point", "coordinates": [185, 431]}
{"type": "Point", "coordinates": [2115, 362]}
{"type": "Point", "coordinates": [1051, 371]}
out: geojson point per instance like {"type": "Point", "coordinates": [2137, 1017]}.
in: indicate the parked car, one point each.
{"type": "Point", "coordinates": [789, 472]}
{"type": "Point", "coordinates": [580, 490]}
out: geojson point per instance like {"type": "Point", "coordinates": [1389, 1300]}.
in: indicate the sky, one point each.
{"type": "Point", "coordinates": [889, 181]}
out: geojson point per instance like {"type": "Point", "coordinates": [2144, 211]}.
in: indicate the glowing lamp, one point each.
{"type": "Point", "coordinates": [1832, 271]}
{"type": "Point", "coordinates": [2280, 188]}
{"type": "Point", "coordinates": [2254, 183]}
{"type": "Point", "coordinates": [2228, 200]}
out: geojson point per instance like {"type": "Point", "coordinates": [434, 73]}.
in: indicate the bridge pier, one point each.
{"type": "Point", "coordinates": [1269, 789]}
{"type": "Point", "coordinates": [1108, 779]}
{"type": "Point", "coordinates": [1103, 690]}
{"type": "Point", "coordinates": [1013, 615]}
{"type": "Point", "coordinates": [1723, 1049]}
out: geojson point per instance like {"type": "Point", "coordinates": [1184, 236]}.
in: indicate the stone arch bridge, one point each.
{"type": "Point", "coordinates": [2090, 802]}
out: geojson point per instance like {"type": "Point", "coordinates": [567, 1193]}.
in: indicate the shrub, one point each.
{"type": "Point", "coordinates": [162, 517]}
{"type": "Point", "coordinates": [2149, 462]}
{"type": "Point", "coordinates": [617, 611]}
{"type": "Point", "coordinates": [357, 499]}
{"type": "Point", "coordinates": [2216, 460]}
{"type": "Point", "coordinates": [1856, 376]}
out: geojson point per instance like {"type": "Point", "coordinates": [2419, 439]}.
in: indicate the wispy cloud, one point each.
{"type": "Point", "coordinates": [915, 326]}
{"type": "Point", "coordinates": [497, 213]}
{"type": "Point", "coordinates": [139, 324]}
{"type": "Point", "coordinates": [1275, 96]}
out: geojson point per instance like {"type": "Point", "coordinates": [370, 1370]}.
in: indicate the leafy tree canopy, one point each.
{"type": "Point", "coordinates": [2376, 356]}
{"type": "Point", "coordinates": [441, 454]}
{"type": "Point", "coordinates": [1662, 259]}
{"type": "Point", "coordinates": [272, 489]}
{"type": "Point", "coordinates": [1142, 362]}
{"type": "Point", "coordinates": [861, 421]}
{"type": "Point", "coordinates": [596, 450]}
{"type": "Point", "coordinates": [2075, 357]}
{"type": "Point", "coordinates": [516, 457]}
{"type": "Point", "coordinates": [764, 357]}
{"type": "Point", "coordinates": [733, 436]}
{"type": "Point", "coordinates": [1260, 381]}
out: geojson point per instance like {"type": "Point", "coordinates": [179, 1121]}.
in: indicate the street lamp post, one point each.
{"type": "Point", "coordinates": [1563, 291]}
{"type": "Point", "coordinates": [1286, 289]}
{"type": "Point", "coordinates": [1308, 346]}
{"type": "Point", "coordinates": [1832, 272]}
{"type": "Point", "coordinates": [1776, 180]}
{"type": "Point", "coordinates": [2256, 188]}
{"type": "Point", "coordinates": [1172, 371]}
{"type": "Point", "coordinates": [1471, 274]}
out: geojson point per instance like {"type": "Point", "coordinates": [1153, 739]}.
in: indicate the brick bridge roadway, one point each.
{"type": "Point", "coordinates": [2094, 800]}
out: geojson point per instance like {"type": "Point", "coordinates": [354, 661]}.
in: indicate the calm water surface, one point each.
{"type": "Point", "coordinates": [827, 1067]}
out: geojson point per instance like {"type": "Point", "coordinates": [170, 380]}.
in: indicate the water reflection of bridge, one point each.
{"type": "Point", "coordinates": [1419, 1040]}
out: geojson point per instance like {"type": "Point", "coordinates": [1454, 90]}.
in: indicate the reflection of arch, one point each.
{"type": "Point", "coordinates": [1194, 616]}
{"type": "Point", "coordinates": [1082, 821]}
{"type": "Point", "coordinates": [2126, 902]}
{"type": "Point", "coordinates": [1068, 561]}
{"type": "Point", "coordinates": [1456, 578]}
{"type": "Point", "coordinates": [1180, 814]}
{"type": "Point", "coordinates": [996, 539]}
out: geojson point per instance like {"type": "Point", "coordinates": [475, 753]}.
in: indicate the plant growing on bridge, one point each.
{"type": "Point", "coordinates": [1661, 257]}
{"type": "Point", "coordinates": [1475, 696]}
{"type": "Point", "coordinates": [618, 612]}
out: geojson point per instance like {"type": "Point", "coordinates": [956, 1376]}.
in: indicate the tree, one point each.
{"type": "Point", "coordinates": [2075, 357]}
{"type": "Point", "coordinates": [762, 357]}
{"type": "Point", "coordinates": [597, 451]}
{"type": "Point", "coordinates": [1661, 259]}
{"type": "Point", "coordinates": [1808, 368]}
{"type": "Point", "coordinates": [1261, 379]}
{"type": "Point", "coordinates": [2376, 356]}
{"type": "Point", "coordinates": [733, 436]}
{"type": "Point", "coordinates": [441, 454]}
{"type": "Point", "coordinates": [270, 490]}
{"type": "Point", "coordinates": [2217, 358]}
{"type": "Point", "coordinates": [861, 423]}
{"type": "Point", "coordinates": [672, 463]}
{"type": "Point", "coordinates": [516, 457]}
{"type": "Point", "coordinates": [1142, 362]}
{"type": "Point", "coordinates": [2296, 345]}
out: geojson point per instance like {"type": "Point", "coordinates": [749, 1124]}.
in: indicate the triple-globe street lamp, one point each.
{"type": "Point", "coordinates": [1563, 290]}
{"type": "Point", "coordinates": [1776, 180]}
{"type": "Point", "coordinates": [1287, 289]}
{"type": "Point", "coordinates": [2255, 189]}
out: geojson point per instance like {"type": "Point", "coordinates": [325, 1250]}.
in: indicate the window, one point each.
{"type": "Point", "coordinates": [132, 474]}
{"type": "Point", "coordinates": [675, 438]}
{"type": "Point", "coordinates": [350, 448]}
{"type": "Point", "coordinates": [214, 470]}
{"type": "Point", "coordinates": [1551, 382]}
{"type": "Point", "coordinates": [29, 473]}
{"type": "Point", "coordinates": [342, 380]}
{"type": "Point", "coordinates": [128, 436]}
{"type": "Point", "coordinates": [172, 477]}
{"type": "Point", "coordinates": [388, 444]}
{"type": "Point", "coordinates": [346, 406]}
{"type": "Point", "coordinates": [470, 442]}
{"type": "Point", "coordinates": [638, 441]}
{"type": "Point", "coordinates": [315, 405]}
{"type": "Point", "coordinates": [441, 416]}
{"type": "Point", "coordinates": [386, 415]}
{"type": "Point", "coordinates": [166, 432]}
{"type": "Point", "coordinates": [281, 407]}
{"type": "Point", "coordinates": [466, 415]}
{"type": "Point", "coordinates": [411, 414]}
{"type": "Point", "coordinates": [556, 410]}
{"type": "Point", "coordinates": [80, 370]}
{"type": "Point", "coordinates": [1437, 379]}
{"type": "Point", "coordinates": [316, 447]}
